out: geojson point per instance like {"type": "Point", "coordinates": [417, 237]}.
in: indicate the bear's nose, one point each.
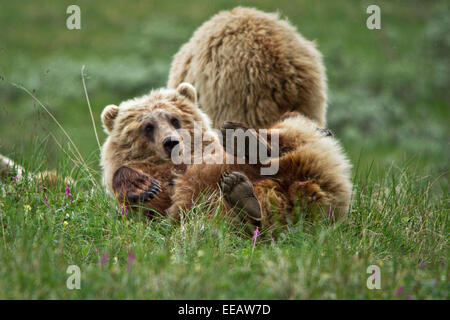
{"type": "Point", "coordinates": [170, 143]}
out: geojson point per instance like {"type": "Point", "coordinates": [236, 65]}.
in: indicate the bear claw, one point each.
{"type": "Point", "coordinates": [149, 194]}
{"type": "Point", "coordinates": [238, 192]}
{"type": "Point", "coordinates": [327, 132]}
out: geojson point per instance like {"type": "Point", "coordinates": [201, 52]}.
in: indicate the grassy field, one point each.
{"type": "Point", "coordinates": [389, 99]}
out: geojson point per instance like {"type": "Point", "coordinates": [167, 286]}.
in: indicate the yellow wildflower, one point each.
{"type": "Point", "coordinates": [27, 208]}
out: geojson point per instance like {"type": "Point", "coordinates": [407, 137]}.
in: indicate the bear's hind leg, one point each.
{"type": "Point", "coordinates": [239, 193]}
{"type": "Point", "coordinates": [312, 198]}
{"type": "Point", "coordinates": [198, 182]}
{"type": "Point", "coordinates": [308, 189]}
{"type": "Point", "coordinates": [275, 205]}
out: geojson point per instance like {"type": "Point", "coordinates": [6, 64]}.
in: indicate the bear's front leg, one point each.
{"type": "Point", "coordinates": [293, 114]}
{"type": "Point", "coordinates": [135, 187]}
{"type": "Point", "coordinates": [248, 145]}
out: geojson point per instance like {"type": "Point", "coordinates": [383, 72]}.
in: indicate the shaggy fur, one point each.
{"type": "Point", "coordinates": [130, 156]}
{"type": "Point", "coordinates": [311, 165]}
{"type": "Point", "coordinates": [312, 169]}
{"type": "Point", "coordinates": [252, 67]}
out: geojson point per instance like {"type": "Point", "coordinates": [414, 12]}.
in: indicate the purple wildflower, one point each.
{"type": "Point", "coordinates": [125, 210]}
{"type": "Point", "coordinates": [399, 291]}
{"type": "Point", "coordinates": [15, 179]}
{"type": "Point", "coordinates": [375, 275]}
{"type": "Point", "coordinates": [130, 259]}
{"type": "Point", "coordinates": [68, 194]}
{"type": "Point", "coordinates": [104, 259]}
{"type": "Point", "coordinates": [46, 201]}
{"type": "Point", "coordinates": [330, 213]}
{"type": "Point", "coordinates": [256, 234]}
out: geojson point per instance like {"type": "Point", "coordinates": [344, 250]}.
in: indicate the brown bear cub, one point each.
{"type": "Point", "coordinates": [144, 132]}
{"type": "Point", "coordinates": [252, 67]}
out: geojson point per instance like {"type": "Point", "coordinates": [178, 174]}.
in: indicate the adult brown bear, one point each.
{"type": "Point", "coordinates": [252, 67]}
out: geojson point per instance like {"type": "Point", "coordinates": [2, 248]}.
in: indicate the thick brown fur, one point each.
{"type": "Point", "coordinates": [312, 167]}
{"type": "Point", "coordinates": [252, 67]}
{"type": "Point", "coordinates": [128, 146]}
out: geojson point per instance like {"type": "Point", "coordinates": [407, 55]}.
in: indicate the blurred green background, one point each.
{"type": "Point", "coordinates": [388, 104]}
{"type": "Point", "coordinates": [388, 88]}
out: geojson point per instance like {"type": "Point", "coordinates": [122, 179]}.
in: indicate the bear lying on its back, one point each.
{"type": "Point", "coordinates": [144, 132]}
{"type": "Point", "coordinates": [252, 67]}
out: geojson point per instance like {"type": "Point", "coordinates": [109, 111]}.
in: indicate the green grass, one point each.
{"type": "Point", "coordinates": [388, 106]}
{"type": "Point", "coordinates": [388, 88]}
{"type": "Point", "coordinates": [397, 222]}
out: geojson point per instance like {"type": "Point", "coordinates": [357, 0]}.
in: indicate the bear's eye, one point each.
{"type": "Point", "coordinates": [149, 128]}
{"type": "Point", "coordinates": [175, 123]}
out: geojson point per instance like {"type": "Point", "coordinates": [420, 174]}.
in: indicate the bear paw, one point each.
{"type": "Point", "coordinates": [228, 141]}
{"type": "Point", "coordinates": [252, 139]}
{"type": "Point", "coordinates": [327, 132]}
{"type": "Point", "coordinates": [134, 186]}
{"type": "Point", "coordinates": [308, 190]}
{"type": "Point", "coordinates": [153, 189]}
{"type": "Point", "coordinates": [238, 192]}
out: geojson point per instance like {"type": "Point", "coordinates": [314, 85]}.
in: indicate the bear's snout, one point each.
{"type": "Point", "coordinates": [169, 143]}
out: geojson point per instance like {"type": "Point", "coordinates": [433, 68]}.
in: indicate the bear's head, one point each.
{"type": "Point", "coordinates": [150, 126]}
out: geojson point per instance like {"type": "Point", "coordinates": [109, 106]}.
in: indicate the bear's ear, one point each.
{"type": "Point", "coordinates": [187, 90]}
{"type": "Point", "coordinates": [108, 115]}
